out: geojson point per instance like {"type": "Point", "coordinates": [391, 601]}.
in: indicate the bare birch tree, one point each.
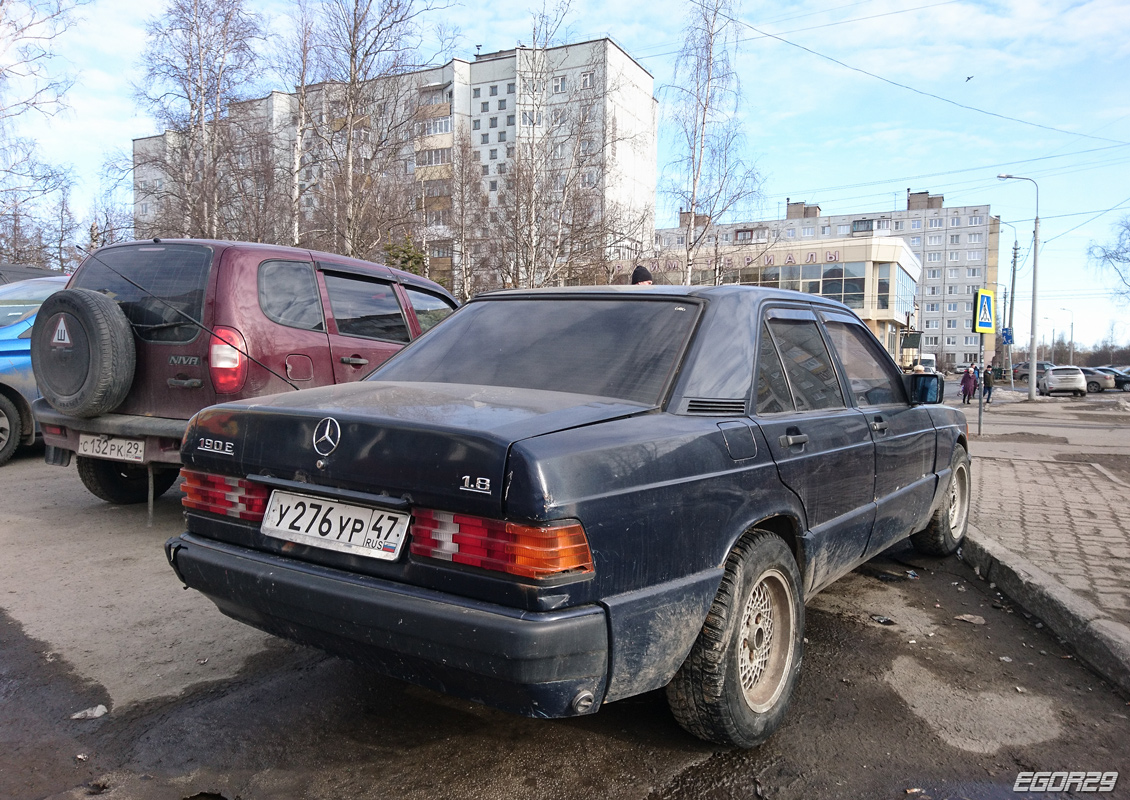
{"type": "Point", "coordinates": [711, 177]}
{"type": "Point", "coordinates": [200, 58]}
{"type": "Point", "coordinates": [1116, 256]}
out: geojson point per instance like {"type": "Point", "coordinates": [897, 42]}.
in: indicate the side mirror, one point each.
{"type": "Point", "coordinates": [925, 387]}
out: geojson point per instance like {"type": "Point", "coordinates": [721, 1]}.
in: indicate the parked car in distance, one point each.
{"type": "Point", "coordinates": [1062, 379]}
{"type": "Point", "coordinates": [1020, 371]}
{"type": "Point", "coordinates": [18, 303]}
{"type": "Point", "coordinates": [1121, 379]}
{"type": "Point", "coordinates": [540, 505]}
{"type": "Point", "coordinates": [1097, 380]}
{"type": "Point", "coordinates": [148, 333]}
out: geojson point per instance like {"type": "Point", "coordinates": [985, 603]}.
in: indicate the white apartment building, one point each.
{"type": "Point", "coordinates": [955, 246]}
{"type": "Point", "coordinates": [589, 103]}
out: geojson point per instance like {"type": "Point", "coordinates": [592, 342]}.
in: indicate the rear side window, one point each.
{"type": "Point", "coordinates": [772, 389]}
{"type": "Point", "coordinates": [430, 309]}
{"type": "Point", "coordinates": [807, 364]}
{"type": "Point", "coordinates": [288, 294]}
{"type": "Point", "coordinates": [365, 308]}
{"type": "Point", "coordinates": [172, 279]}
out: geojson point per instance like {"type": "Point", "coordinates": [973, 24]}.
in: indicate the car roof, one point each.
{"type": "Point", "coordinates": [336, 261]}
{"type": "Point", "coordinates": [759, 293]}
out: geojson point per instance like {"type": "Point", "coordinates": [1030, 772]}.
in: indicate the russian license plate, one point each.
{"type": "Point", "coordinates": [326, 523]}
{"type": "Point", "coordinates": [111, 447]}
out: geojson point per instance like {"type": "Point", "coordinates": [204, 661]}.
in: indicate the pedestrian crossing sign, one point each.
{"type": "Point", "coordinates": [984, 312]}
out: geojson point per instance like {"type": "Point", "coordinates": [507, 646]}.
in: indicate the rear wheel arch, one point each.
{"type": "Point", "coordinates": [27, 420]}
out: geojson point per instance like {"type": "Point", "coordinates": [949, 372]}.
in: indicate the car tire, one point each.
{"type": "Point", "coordinates": [120, 483]}
{"type": "Point", "coordinates": [946, 529]}
{"type": "Point", "coordinates": [11, 429]}
{"type": "Point", "coordinates": [735, 684]}
{"type": "Point", "coordinates": [82, 352]}
{"type": "Point", "coordinates": [1093, 387]}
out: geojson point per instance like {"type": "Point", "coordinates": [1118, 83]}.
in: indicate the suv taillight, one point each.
{"type": "Point", "coordinates": [226, 360]}
{"type": "Point", "coordinates": [221, 494]}
{"type": "Point", "coordinates": [525, 550]}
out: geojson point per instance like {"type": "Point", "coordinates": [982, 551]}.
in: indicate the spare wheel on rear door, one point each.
{"type": "Point", "coordinates": [82, 352]}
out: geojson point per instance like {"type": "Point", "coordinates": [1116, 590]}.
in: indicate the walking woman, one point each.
{"type": "Point", "coordinates": [968, 386]}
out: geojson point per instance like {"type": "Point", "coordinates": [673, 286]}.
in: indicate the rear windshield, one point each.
{"type": "Point", "coordinates": [1061, 372]}
{"type": "Point", "coordinates": [624, 349]}
{"type": "Point", "coordinates": [20, 300]}
{"type": "Point", "coordinates": [172, 277]}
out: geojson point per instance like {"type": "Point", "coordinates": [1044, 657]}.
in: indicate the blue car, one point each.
{"type": "Point", "coordinates": [19, 302]}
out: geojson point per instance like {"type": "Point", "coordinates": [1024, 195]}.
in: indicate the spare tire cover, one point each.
{"type": "Point", "coordinates": [82, 352]}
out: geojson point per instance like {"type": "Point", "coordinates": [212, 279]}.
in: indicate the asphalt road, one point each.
{"type": "Point", "coordinates": [203, 707]}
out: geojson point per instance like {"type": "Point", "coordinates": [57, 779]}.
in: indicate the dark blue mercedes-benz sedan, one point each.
{"type": "Point", "coordinates": [561, 498]}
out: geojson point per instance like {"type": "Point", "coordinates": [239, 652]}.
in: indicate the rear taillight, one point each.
{"type": "Point", "coordinates": [220, 494]}
{"type": "Point", "coordinates": [226, 360]}
{"type": "Point", "coordinates": [525, 550]}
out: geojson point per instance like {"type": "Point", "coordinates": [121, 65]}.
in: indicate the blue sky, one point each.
{"type": "Point", "coordinates": [1046, 97]}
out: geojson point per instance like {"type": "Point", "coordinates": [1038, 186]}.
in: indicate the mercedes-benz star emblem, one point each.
{"type": "Point", "coordinates": [327, 436]}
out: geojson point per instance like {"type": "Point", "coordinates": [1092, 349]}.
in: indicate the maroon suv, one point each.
{"type": "Point", "coordinates": [148, 333]}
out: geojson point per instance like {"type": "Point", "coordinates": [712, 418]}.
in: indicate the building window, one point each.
{"type": "Point", "coordinates": [587, 80]}
{"type": "Point", "coordinates": [915, 224]}
{"type": "Point", "coordinates": [494, 91]}
{"type": "Point", "coordinates": [971, 341]}
{"type": "Point", "coordinates": [973, 255]}
{"type": "Point", "coordinates": [915, 241]}
{"type": "Point", "coordinates": [476, 92]}
{"type": "Point", "coordinates": [510, 151]}
{"type": "Point", "coordinates": [951, 323]}
{"type": "Point", "coordinates": [932, 290]}
{"type": "Point", "coordinates": [955, 255]}
{"type": "Point", "coordinates": [936, 222]}
{"type": "Point", "coordinates": [968, 324]}
{"type": "Point", "coordinates": [932, 306]}
{"type": "Point", "coordinates": [825, 230]}
{"type": "Point", "coordinates": [586, 147]}
{"type": "Point", "coordinates": [501, 170]}
{"type": "Point", "coordinates": [502, 136]}
{"type": "Point", "coordinates": [843, 230]}
{"type": "Point", "coordinates": [494, 122]}
{"type": "Point", "coordinates": [950, 307]}
{"type": "Point", "coordinates": [933, 274]}
{"type": "Point", "coordinates": [527, 117]}
{"type": "Point", "coordinates": [493, 155]}
{"type": "Point", "coordinates": [807, 231]}
{"type": "Point", "coordinates": [951, 273]}
{"type": "Point", "coordinates": [510, 88]}
{"type": "Point", "coordinates": [485, 138]}
{"type": "Point", "coordinates": [427, 158]}
{"type": "Point", "coordinates": [951, 341]}
{"type": "Point", "coordinates": [484, 106]}
{"type": "Point", "coordinates": [955, 238]}
{"type": "Point", "coordinates": [743, 236]}
{"type": "Point", "coordinates": [973, 272]}
{"type": "Point", "coordinates": [898, 224]}
{"type": "Point", "coordinates": [952, 289]}
{"type": "Point", "coordinates": [790, 233]}
{"type": "Point", "coordinates": [935, 239]}
{"type": "Point", "coordinates": [955, 222]}
{"type": "Point", "coordinates": [501, 105]}
{"type": "Point", "coordinates": [930, 341]}
{"type": "Point", "coordinates": [509, 119]}
{"type": "Point", "coordinates": [486, 169]}
{"type": "Point", "coordinates": [494, 186]}
{"type": "Point", "coordinates": [476, 124]}
{"type": "Point", "coordinates": [933, 257]}
{"type": "Point", "coordinates": [559, 84]}
{"type": "Point", "coordinates": [882, 224]}
{"type": "Point", "coordinates": [969, 307]}
{"type": "Point", "coordinates": [434, 126]}
{"type": "Point", "coordinates": [971, 289]}
{"type": "Point", "coordinates": [931, 324]}
{"type": "Point", "coordinates": [975, 220]}
{"type": "Point", "coordinates": [975, 238]}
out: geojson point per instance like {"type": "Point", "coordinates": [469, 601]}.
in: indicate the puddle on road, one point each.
{"type": "Point", "coordinates": [977, 722]}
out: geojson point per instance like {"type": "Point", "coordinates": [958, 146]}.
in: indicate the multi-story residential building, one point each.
{"type": "Point", "coordinates": [559, 142]}
{"type": "Point", "coordinates": [956, 248]}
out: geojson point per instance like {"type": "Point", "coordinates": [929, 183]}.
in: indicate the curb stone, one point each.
{"type": "Point", "coordinates": [1102, 642]}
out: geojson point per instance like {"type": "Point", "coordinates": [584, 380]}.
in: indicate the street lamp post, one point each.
{"type": "Point", "coordinates": [1035, 263]}
{"type": "Point", "coordinates": [1072, 313]}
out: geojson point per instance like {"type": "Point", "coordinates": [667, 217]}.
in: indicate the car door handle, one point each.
{"type": "Point", "coordinates": [793, 439]}
{"type": "Point", "coordinates": [354, 362]}
{"type": "Point", "coordinates": [879, 426]}
{"type": "Point", "coordinates": [188, 383]}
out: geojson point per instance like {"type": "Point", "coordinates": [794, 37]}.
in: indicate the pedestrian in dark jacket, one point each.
{"type": "Point", "coordinates": [968, 386]}
{"type": "Point", "coordinates": [987, 382]}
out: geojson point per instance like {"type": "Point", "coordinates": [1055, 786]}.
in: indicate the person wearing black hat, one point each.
{"type": "Point", "coordinates": [641, 276]}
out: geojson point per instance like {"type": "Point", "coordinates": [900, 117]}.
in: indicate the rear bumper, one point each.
{"type": "Point", "coordinates": [162, 435]}
{"type": "Point", "coordinates": [539, 664]}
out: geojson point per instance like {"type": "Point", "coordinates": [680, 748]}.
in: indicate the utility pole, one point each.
{"type": "Point", "coordinates": [1011, 315]}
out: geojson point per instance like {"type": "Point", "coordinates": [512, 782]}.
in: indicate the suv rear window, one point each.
{"type": "Point", "coordinates": [627, 349]}
{"type": "Point", "coordinates": [172, 276]}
